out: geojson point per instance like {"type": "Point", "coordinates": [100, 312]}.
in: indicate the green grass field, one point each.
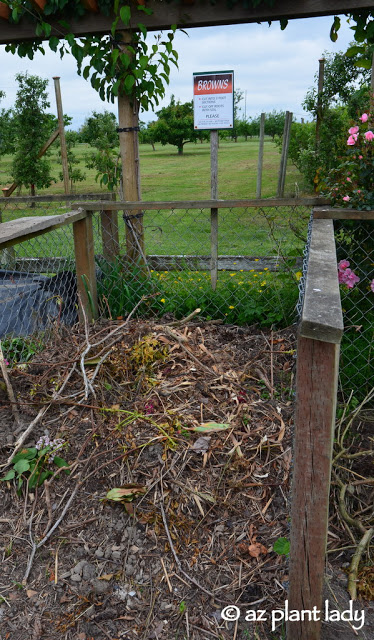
{"type": "Point", "coordinates": [167, 176]}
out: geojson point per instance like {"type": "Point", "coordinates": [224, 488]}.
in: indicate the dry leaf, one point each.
{"type": "Point", "coordinates": [106, 576]}
{"type": "Point", "coordinates": [30, 593]}
{"type": "Point", "coordinates": [256, 549]}
{"type": "Point", "coordinates": [201, 445]}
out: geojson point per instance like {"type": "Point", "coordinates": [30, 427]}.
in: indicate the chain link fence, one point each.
{"type": "Point", "coordinates": [355, 243]}
{"type": "Point", "coordinates": [259, 264]}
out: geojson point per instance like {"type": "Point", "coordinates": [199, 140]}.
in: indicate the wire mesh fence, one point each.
{"type": "Point", "coordinates": [259, 262]}
{"type": "Point", "coordinates": [355, 244]}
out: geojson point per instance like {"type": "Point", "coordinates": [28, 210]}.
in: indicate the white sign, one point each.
{"type": "Point", "coordinates": [213, 99]}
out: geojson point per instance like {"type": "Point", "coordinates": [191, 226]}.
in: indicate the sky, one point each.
{"type": "Point", "coordinates": [273, 68]}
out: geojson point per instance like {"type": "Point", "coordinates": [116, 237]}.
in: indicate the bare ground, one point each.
{"type": "Point", "coordinates": [203, 504]}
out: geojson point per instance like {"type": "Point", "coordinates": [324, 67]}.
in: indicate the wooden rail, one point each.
{"type": "Point", "coordinates": [201, 204]}
{"type": "Point", "coordinates": [22, 229]}
{"type": "Point", "coordinates": [319, 337]}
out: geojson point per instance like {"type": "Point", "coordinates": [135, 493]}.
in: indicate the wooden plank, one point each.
{"type": "Point", "coordinates": [316, 384]}
{"type": "Point", "coordinates": [203, 204]}
{"type": "Point", "coordinates": [63, 197]}
{"type": "Point", "coordinates": [22, 229]}
{"type": "Point", "coordinates": [186, 15]}
{"type": "Point", "coordinates": [322, 317]}
{"type": "Point", "coordinates": [109, 234]}
{"type": "Point", "coordinates": [174, 263]}
{"type": "Point", "coordinates": [214, 210]}
{"type": "Point", "coordinates": [85, 268]}
{"type": "Point", "coordinates": [342, 214]}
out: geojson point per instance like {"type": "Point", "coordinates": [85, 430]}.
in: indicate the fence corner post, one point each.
{"type": "Point", "coordinates": [85, 267]}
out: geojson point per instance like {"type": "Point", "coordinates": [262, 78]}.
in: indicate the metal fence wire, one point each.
{"type": "Point", "coordinates": [355, 243]}
{"type": "Point", "coordinates": [259, 265]}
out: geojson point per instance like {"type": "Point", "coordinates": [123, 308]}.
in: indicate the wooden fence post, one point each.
{"type": "Point", "coordinates": [64, 151]}
{"type": "Point", "coordinates": [284, 154]}
{"type": "Point", "coordinates": [214, 210]}
{"type": "Point", "coordinates": [85, 267]}
{"type": "Point", "coordinates": [260, 156]}
{"type": "Point", "coordinates": [109, 234]}
{"type": "Point", "coordinates": [320, 333]}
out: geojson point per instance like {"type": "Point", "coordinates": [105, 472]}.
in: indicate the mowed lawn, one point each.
{"type": "Point", "coordinates": [165, 176]}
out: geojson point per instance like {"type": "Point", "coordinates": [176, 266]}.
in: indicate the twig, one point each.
{"type": "Point", "coordinates": [37, 419]}
{"type": "Point", "coordinates": [9, 387]}
{"type": "Point", "coordinates": [353, 568]}
{"type": "Point", "coordinates": [178, 562]}
{"type": "Point", "coordinates": [177, 323]}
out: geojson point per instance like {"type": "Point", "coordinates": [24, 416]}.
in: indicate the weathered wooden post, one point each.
{"type": "Point", "coordinates": [64, 151]}
{"type": "Point", "coordinates": [214, 210]}
{"type": "Point", "coordinates": [284, 154]}
{"type": "Point", "coordinates": [260, 156]}
{"type": "Point", "coordinates": [85, 267]}
{"type": "Point", "coordinates": [128, 120]}
{"type": "Point", "coordinates": [320, 333]}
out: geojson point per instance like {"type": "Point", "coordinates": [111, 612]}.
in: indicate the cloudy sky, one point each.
{"type": "Point", "coordinates": [273, 68]}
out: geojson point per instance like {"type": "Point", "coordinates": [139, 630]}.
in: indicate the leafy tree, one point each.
{"type": "Point", "coordinates": [6, 133]}
{"type": "Point", "coordinates": [146, 134]}
{"type": "Point", "coordinates": [99, 130]}
{"type": "Point", "coordinates": [248, 128]}
{"type": "Point", "coordinates": [31, 130]}
{"type": "Point", "coordinates": [75, 174]}
{"type": "Point", "coordinates": [175, 125]}
{"type": "Point", "coordinates": [274, 123]}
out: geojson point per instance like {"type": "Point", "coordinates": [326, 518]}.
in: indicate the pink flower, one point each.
{"type": "Point", "coordinates": [346, 198]}
{"type": "Point", "coordinates": [347, 276]}
{"type": "Point", "coordinates": [369, 135]}
{"type": "Point", "coordinates": [372, 285]}
{"type": "Point", "coordinates": [353, 130]}
{"type": "Point", "coordinates": [351, 140]}
{"type": "Point", "coordinates": [364, 117]}
{"type": "Point", "coordinates": [360, 157]}
{"type": "Point", "coordinates": [349, 180]}
{"type": "Point", "coordinates": [343, 264]}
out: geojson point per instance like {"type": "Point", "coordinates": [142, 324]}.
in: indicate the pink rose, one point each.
{"type": "Point", "coordinates": [369, 135]}
{"type": "Point", "coordinates": [364, 117]}
{"type": "Point", "coordinates": [372, 285]}
{"type": "Point", "coordinates": [351, 140]}
{"type": "Point", "coordinates": [360, 157]}
{"type": "Point", "coordinates": [343, 264]}
{"type": "Point", "coordinates": [349, 180]}
{"type": "Point", "coordinates": [346, 198]}
{"type": "Point", "coordinates": [353, 130]}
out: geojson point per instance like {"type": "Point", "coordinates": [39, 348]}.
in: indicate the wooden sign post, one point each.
{"type": "Point", "coordinates": [213, 93]}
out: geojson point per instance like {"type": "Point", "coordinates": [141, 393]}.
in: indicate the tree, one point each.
{"type": "Point", "coordinates": [175, 125]}
{"type": "Point", "coordinates": [31, 130]}
{"type": "Point", "coordinates": [75, 174]}
{"type": "Point", "coordinates": [274, 123]}
{"type": "Point", "coordinates": [6, 134]}
{"type": "Point", "coordinates": [146, 134]}
{"type": "Point", "coordinates": [100, 130]}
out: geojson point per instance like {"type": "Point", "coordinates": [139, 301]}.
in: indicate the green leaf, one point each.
{"type": "Point", "coordinates": [25, 454]}
{"type": "Point", "coordinates": [354, 51]}
{"type": "Point", "coordinates": [129, 83]}
{"type": "Point", "coordinates": [282, 547]}
{"type": "Point", "coordinates": [9, 476]}
{"type": "Point", "coordinates": [60, 462]}
{"type": "Point", "coordinates": [53, 43]}
{"type": "Point", "coordinates": [21, 466]}
{"type": "Point", "coordinates": [125, 14]}
{"type": "Point", "coordinates": [127, 493]}
{"type": "Point", "coordinates": [208, 427]}
{"type": "Point", "coordinates": [363, 63]}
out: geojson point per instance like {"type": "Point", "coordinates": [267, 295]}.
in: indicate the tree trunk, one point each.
{"type": "Point", "coordinates": [180, 150]}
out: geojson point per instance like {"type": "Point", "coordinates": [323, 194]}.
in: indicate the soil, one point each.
{"type": "Point", "coordinates": [192, 423]}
